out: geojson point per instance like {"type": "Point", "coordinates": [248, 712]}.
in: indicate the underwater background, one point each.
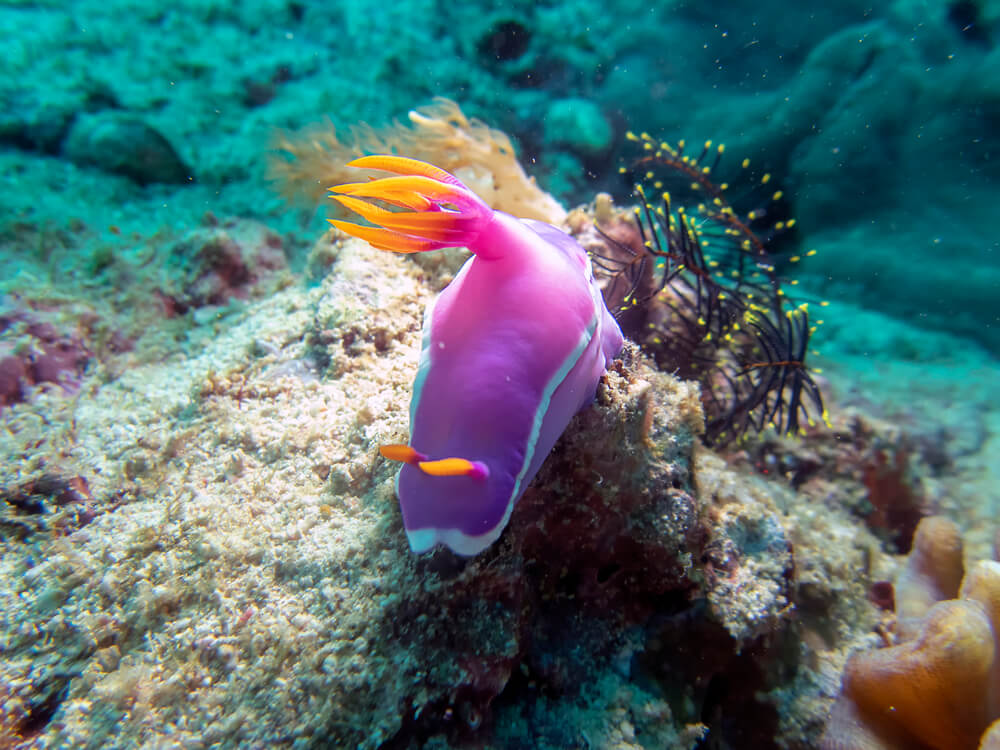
{"type": "Point", "coordinates": [199, 543]}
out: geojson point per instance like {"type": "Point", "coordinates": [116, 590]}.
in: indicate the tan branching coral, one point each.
{"type": "Point", "coordinates": [309, 162]}
{"type": "Point", "coordinates": [939, 688]}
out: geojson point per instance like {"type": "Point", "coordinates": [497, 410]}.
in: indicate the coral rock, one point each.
{"type": "Point", "coordinates": [37, 352]}
{"type": "Point", "coordinates": [212, 264]}
{"type": "Point", "coordinates": [13, 375]}
{"type": "Point", "coordinates": [127, 146]}
{"type": "Point", "coordinates": [579, 125]}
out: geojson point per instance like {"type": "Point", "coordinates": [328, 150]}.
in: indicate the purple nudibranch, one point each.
{"type": "Point", "coordinates": [512, 349]}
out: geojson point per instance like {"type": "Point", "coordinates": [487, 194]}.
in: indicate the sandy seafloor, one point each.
{"type": "Point", "coordinates": [200, 545]}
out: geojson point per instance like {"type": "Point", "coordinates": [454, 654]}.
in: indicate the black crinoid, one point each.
{"type": "Point", "coordinates": [693, 282]}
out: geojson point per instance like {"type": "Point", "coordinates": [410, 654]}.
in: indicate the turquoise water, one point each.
{"type": "Point", "coordinates": [153, 246]}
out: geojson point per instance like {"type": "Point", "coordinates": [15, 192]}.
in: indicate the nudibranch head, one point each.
{"type": "Point", "coordinates": [512, 349]}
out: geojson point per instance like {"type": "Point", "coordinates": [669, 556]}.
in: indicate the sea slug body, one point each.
{"type": "Point", "coordinates": [512, 349]}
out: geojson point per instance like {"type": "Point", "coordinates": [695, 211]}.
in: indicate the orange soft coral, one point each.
{"type": "Point", "coordinates": [991, 740]}
{"type": "Point", "coordinates": [940, 687]}
{"type": "Point", "coordinates": [933, 572]}
{"type": "Point", "coordinates": [480, 156]}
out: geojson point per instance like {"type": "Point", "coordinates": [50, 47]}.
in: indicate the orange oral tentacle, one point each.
{"type": "Point", "coordinates": [440, 210]}
{"type": "Point", "coordinates": [438, 226]}
{"type": "Point", "coordinates": [367, 210]}
{"type": "Point", "coordinates": [385, 239]}
{"type": "Point", "coordinates": [425, 186]}
{"type": "Point", "coordinates": [403, 165]}
{"type": "Point", "coordinates": [405, 198]}
{"type": "Point", "coordinates": [434, 226]}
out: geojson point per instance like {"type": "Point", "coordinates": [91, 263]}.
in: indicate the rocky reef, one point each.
{"type": "Point", "coordinates": [206, 545]}
{"type": "Point", "coordinates": [199, 543]}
